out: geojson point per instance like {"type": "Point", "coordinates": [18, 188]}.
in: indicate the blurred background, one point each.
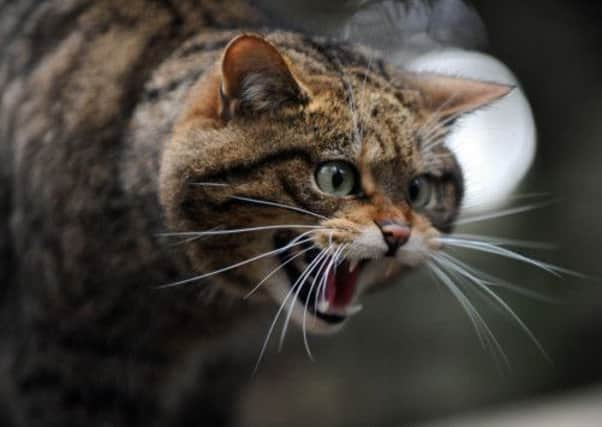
{"type": "Point", "coordinates": [412, 356]}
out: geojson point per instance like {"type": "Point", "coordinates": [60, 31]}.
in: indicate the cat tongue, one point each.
{"type": "Point", "coordinates": [340, 285]}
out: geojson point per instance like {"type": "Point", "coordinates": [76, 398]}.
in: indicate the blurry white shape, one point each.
{"type": "Point", "coordinates": [495, 146]}
{"type": "Point", "coordinates": [409, 28]}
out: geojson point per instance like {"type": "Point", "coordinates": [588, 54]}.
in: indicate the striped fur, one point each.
{"type": "Point", "coordinates": [103, 134]}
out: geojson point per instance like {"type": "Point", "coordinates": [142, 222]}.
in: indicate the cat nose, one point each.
{"type": "Point", "coordinates": [394, 233]}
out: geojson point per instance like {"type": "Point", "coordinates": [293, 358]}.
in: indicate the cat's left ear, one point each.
{"type": "Point", "coordinates": [449, 96]}
{"type": "Point", "coordinates": [255, 77]}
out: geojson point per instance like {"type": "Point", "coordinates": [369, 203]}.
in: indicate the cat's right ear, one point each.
{"type": "Point", "coordinates": [256, 77]}
{"type": "Point", "coordinates": [252, 77]}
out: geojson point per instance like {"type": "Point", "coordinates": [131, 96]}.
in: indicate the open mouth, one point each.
{"type": "Point", "coordinates": [324, 286]}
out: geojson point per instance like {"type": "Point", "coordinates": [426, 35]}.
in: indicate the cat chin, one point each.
{"type": "Point", "coordinates": [320, 327]}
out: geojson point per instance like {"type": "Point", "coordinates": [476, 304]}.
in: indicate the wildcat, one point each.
{"type": "Point", "coordinates": [306, 161]}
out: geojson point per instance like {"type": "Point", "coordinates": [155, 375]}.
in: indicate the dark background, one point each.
{"type": "Point", "coordinates": [413, 354]}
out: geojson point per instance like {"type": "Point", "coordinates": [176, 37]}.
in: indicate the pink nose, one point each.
{"type": "Point", "coordinates": [394, 234]}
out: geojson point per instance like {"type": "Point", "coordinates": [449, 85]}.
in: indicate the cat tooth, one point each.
{"type": "Point", "coordinates": [353, 309]}
{"type": "Point", "coordinates": [323, 306]}
{"type": "Point", "coordinates": [353, 264]}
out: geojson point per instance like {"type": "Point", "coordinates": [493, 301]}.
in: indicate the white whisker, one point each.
{"type": "Point", "coordinates": [210, 184]}
{"type": "Point", "coordinates": [476, 319]}
{"type": "Point", "coordinates": [501, 213]}
{"type": "Point", "coordinates": [295, 242]}
{"type": "Point", "coordinates": [433, 135]}
{"type": "Point", "coordinates": [493, 281]}
{"type": "Point", "coordinates": [189, 239]}
{"type": "Point", "coordinates": [275, 270]}
{"type": "Point", "coordinates": [306, 308]}
{"type": "Point", "coordinates": [198, 234]}
{"type": "Point", "coordinates": [299, 285]}
{"type": "Point", "coordinates": [259, 201]}
{"type": "Point", "coordinates": [494, 240]}
{"type": "Point", "coordinates": [449, 262]}
{"type": "Point", "coordinates": [271, 330]}
{"type": "Point", "coordinates": [331, 264]}
{"type": "Point", "coordinates": [278, 205]}
{"type": "Point", "coordinates": [496, 250]}
{"type": "Point", "coordinates": [434, 119]}
{"type": "Point", "coordinates": [523, 196]}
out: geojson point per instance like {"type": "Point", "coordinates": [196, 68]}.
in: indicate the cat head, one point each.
{"type": "Point", "coordinates": [318, 170]}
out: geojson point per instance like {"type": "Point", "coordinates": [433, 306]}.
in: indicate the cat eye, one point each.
{"type": "Point", "coordinates": [420, 192]}
{"type": "Point", "coordinates": [337, 177]}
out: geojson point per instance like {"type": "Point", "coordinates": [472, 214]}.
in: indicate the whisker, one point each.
{"type": "Point", "coordinates": [494, 240]}
{"type": "Point", "coordinates": [210, 184]}
{"type": "Point", "coordinates": [480, 285]}
{"type": "Point", "coordinates": [187, 240]}
{"type": "Point", "coordinates": [348, 87]}
{"type": "Point", "coordinates": [322, 282]}
{"type": "Point", "coordinates": [295, 242]}
{"type": "Point", "coordinates": [476, 319]}
{"type": "Point", "coordinates": [311, 288]}
{"type": "Point", "coordinates": [328, 269]}
{"type": "Point", "coordinates": [321, 274]}
{"type": "Point", "coordinates": [271, 330]}
{"type": "Point", "coordinates": [298, 285]}
{"type": "Point", "coordinates": [502, 213]}
{"type": "Point", "coordinates": [440, 276]}
{"type": "Point", "coordinates": [520, 196]}
{"type": "Point", "coordinates": [278, 205]}
{"type": "Point", "coordinates": [275, 270]}
{"type": "Point", "coordinates": [197, 234]}
{"type": "Point", "coordinates": [355, 128]}
{"type": "Point", "coordinates": [506, 253]}
{"type": "Point", "coordinates": [434, 136]}
{"type": "Point", "coordinates": [493, 281]}
{"type": "Point", "coordinates": [432, 157]}
{"type": "Point", "coordinates": [434, 118]}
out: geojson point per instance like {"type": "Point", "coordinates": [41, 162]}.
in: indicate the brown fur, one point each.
{"type": "Point", "coordinates": [350, 109]}
{"type": "Point", "coordinates": [110, 113]}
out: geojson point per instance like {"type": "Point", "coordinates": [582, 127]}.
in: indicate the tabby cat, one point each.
{"type": "Point", "coordinates": [285, 167]}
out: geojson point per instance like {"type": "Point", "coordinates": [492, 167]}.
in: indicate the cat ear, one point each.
{"type": "Point", "coordinates": [255, 77]}
{"type": "Point", "coordinates": [449, 96]}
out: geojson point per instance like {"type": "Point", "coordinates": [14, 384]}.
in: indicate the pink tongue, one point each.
{"type": "Point", "coordinates": [340, 285]}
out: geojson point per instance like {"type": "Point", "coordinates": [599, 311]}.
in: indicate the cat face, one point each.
{"type": "Point", "coordinates": [320, 171]}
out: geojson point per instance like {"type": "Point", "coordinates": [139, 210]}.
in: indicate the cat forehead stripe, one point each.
{"type": "Point", "coordinates": [241, 169]}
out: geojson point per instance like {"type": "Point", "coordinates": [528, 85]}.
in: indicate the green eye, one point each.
{"type": "Point", "coordinates": [337, 178]}
{"type": "Point", "coordinates": [420, 192]}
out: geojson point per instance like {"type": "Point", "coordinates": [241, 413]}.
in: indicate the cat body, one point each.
{"type": "Point", "coordinates": [87, 337]}
{"type": "Point", "coordinates": [119, 122]}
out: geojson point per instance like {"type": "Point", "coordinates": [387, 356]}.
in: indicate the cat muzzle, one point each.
{"type": "Point", "coordinates": [325, 287]}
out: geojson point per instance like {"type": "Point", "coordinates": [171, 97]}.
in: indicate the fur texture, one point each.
{"type": "Point", "coordinates": [112, 117]}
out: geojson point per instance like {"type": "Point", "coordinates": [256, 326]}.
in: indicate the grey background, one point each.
{"type": "Point", "coordinates": [412, 355]}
